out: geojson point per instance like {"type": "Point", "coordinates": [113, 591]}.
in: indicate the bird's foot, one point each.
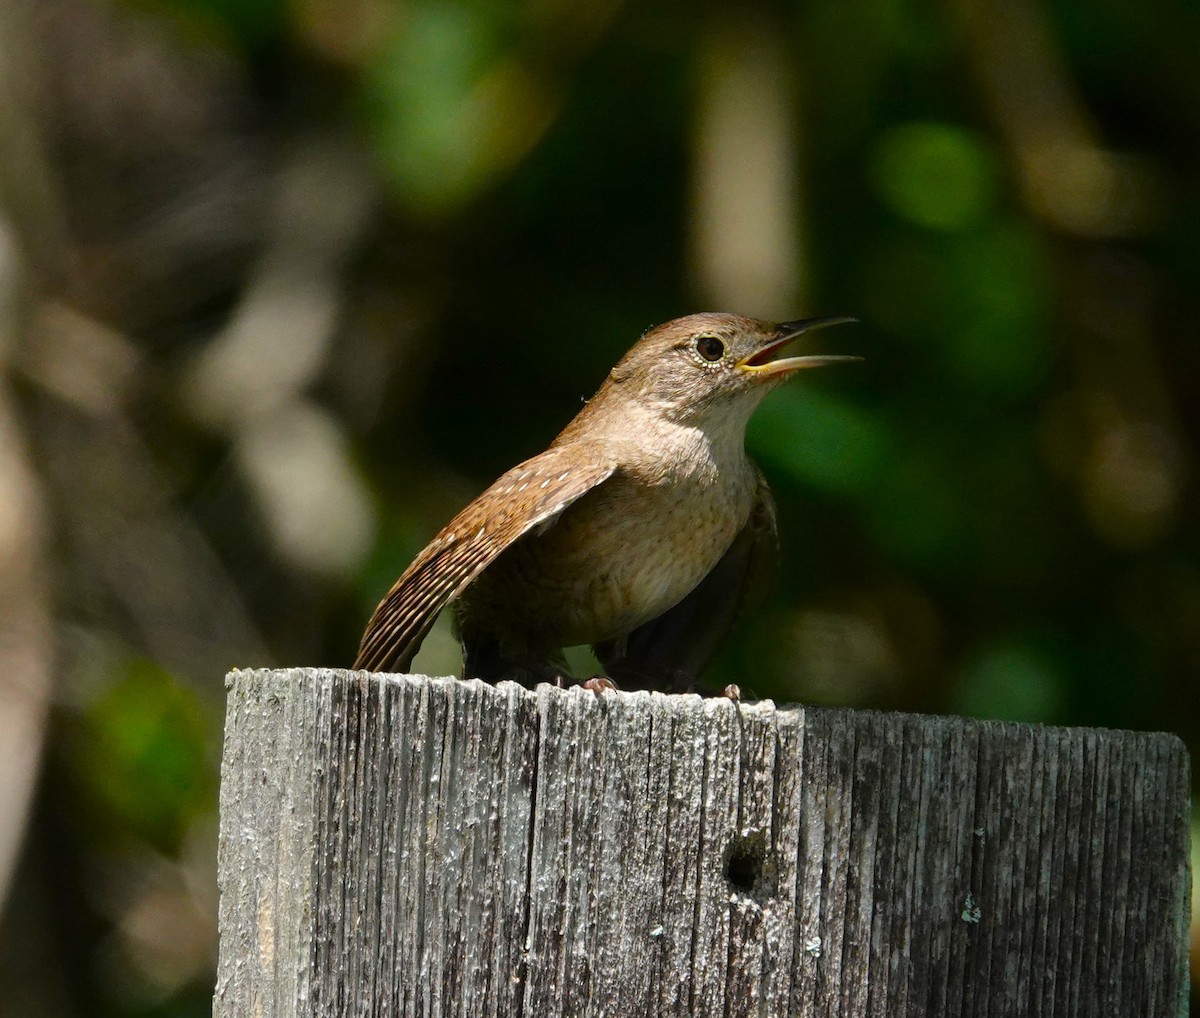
{"type": "Point", "coordinates": [732, 692]}
{"type": "Point", "coordinates": [599, 684]}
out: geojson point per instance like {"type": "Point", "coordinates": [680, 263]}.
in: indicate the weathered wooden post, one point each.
{"type": "Point", "coordinates": [395, 845]}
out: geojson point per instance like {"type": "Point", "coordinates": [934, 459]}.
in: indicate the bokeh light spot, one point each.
{"type": "Point", "coordinates": [935, 175]}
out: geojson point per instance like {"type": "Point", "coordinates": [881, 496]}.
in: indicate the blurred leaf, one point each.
{"type": "Point", "coordinates": [418, 101]}
{"type": "Point", "coordinates": [1012, 679]}
{"type": "Point", "coordinates": [143, 752]}
{"type": "Point", "coordinates": [818, 438]}
{"type": "Point", "coordinates": [975, 305]}
{"type": "Point", "coordinates": [935, 175]}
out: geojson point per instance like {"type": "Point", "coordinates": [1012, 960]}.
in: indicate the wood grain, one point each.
{"type": "Point", "coordinates": [395, 845]}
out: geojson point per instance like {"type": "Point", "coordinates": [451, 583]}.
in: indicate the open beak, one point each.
{"type": "Point", "coordinates": [764, 363]}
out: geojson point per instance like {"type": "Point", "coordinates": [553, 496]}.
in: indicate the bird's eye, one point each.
{"type": "Point", "coordinates": [710, 348]}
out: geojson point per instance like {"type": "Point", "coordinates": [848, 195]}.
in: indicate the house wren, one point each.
{"type": "Point", "coordinates": [643, 530]}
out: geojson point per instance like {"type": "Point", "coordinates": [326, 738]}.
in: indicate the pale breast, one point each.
{"type": "Point", "coordinates": [619, 557]}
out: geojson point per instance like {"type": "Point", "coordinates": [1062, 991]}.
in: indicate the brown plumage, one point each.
{"type": "Point", "coordinates": [642, 530]}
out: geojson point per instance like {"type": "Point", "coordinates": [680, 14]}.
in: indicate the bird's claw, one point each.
{"type": "Point", "coordinates": [599, 684]}
{"type": "Point", "coordinates": [732, 692]}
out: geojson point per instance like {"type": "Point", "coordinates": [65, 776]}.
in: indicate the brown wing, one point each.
{"type": "Point", "coordinates": [532, 493]}
{"type": "Point", "coordinates": [671, 651]}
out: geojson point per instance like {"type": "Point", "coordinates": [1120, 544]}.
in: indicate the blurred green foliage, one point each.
{"type": "Point", "coordinates": [296, 280]}
{"type": "Point", "coordinates": [142, 756]}
{"type": "Point", "coordinates": [935, 175]}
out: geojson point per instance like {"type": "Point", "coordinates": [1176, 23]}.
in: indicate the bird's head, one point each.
{"type": "Point", "coordinates": [715, 364]}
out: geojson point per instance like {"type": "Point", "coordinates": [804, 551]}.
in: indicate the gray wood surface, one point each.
{"type": "Point", "coordinates": [395, 845]}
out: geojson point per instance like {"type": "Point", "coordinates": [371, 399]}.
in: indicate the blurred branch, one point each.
{"type": "Point", "coordinates": [28, 185]}
{"type": "Point", "coordinates": [137, 561]}
{"type": "Point", "coordinates": [25, 643]}
{"type": "Point", "coordinates": [25, 652]}
{"type": "Point", "coordinates": [252, 380]}
{"type": "Point", "coordinates": [1117, 434]}
{"type": "Point", "coordinates": [461, 97]}
{"type": "Point", "coordinates": [746, 246]}
{"type": "Point", "coordinates": [1067, 176]}
{"type": "Point", "coordinates": [118, 101]}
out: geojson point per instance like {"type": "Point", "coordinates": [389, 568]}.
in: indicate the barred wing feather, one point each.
{"type": "Point", "coordinates": [532, 493]}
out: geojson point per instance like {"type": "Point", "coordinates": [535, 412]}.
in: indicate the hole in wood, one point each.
{"type": "Point", "coordinates": [747, 867]}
